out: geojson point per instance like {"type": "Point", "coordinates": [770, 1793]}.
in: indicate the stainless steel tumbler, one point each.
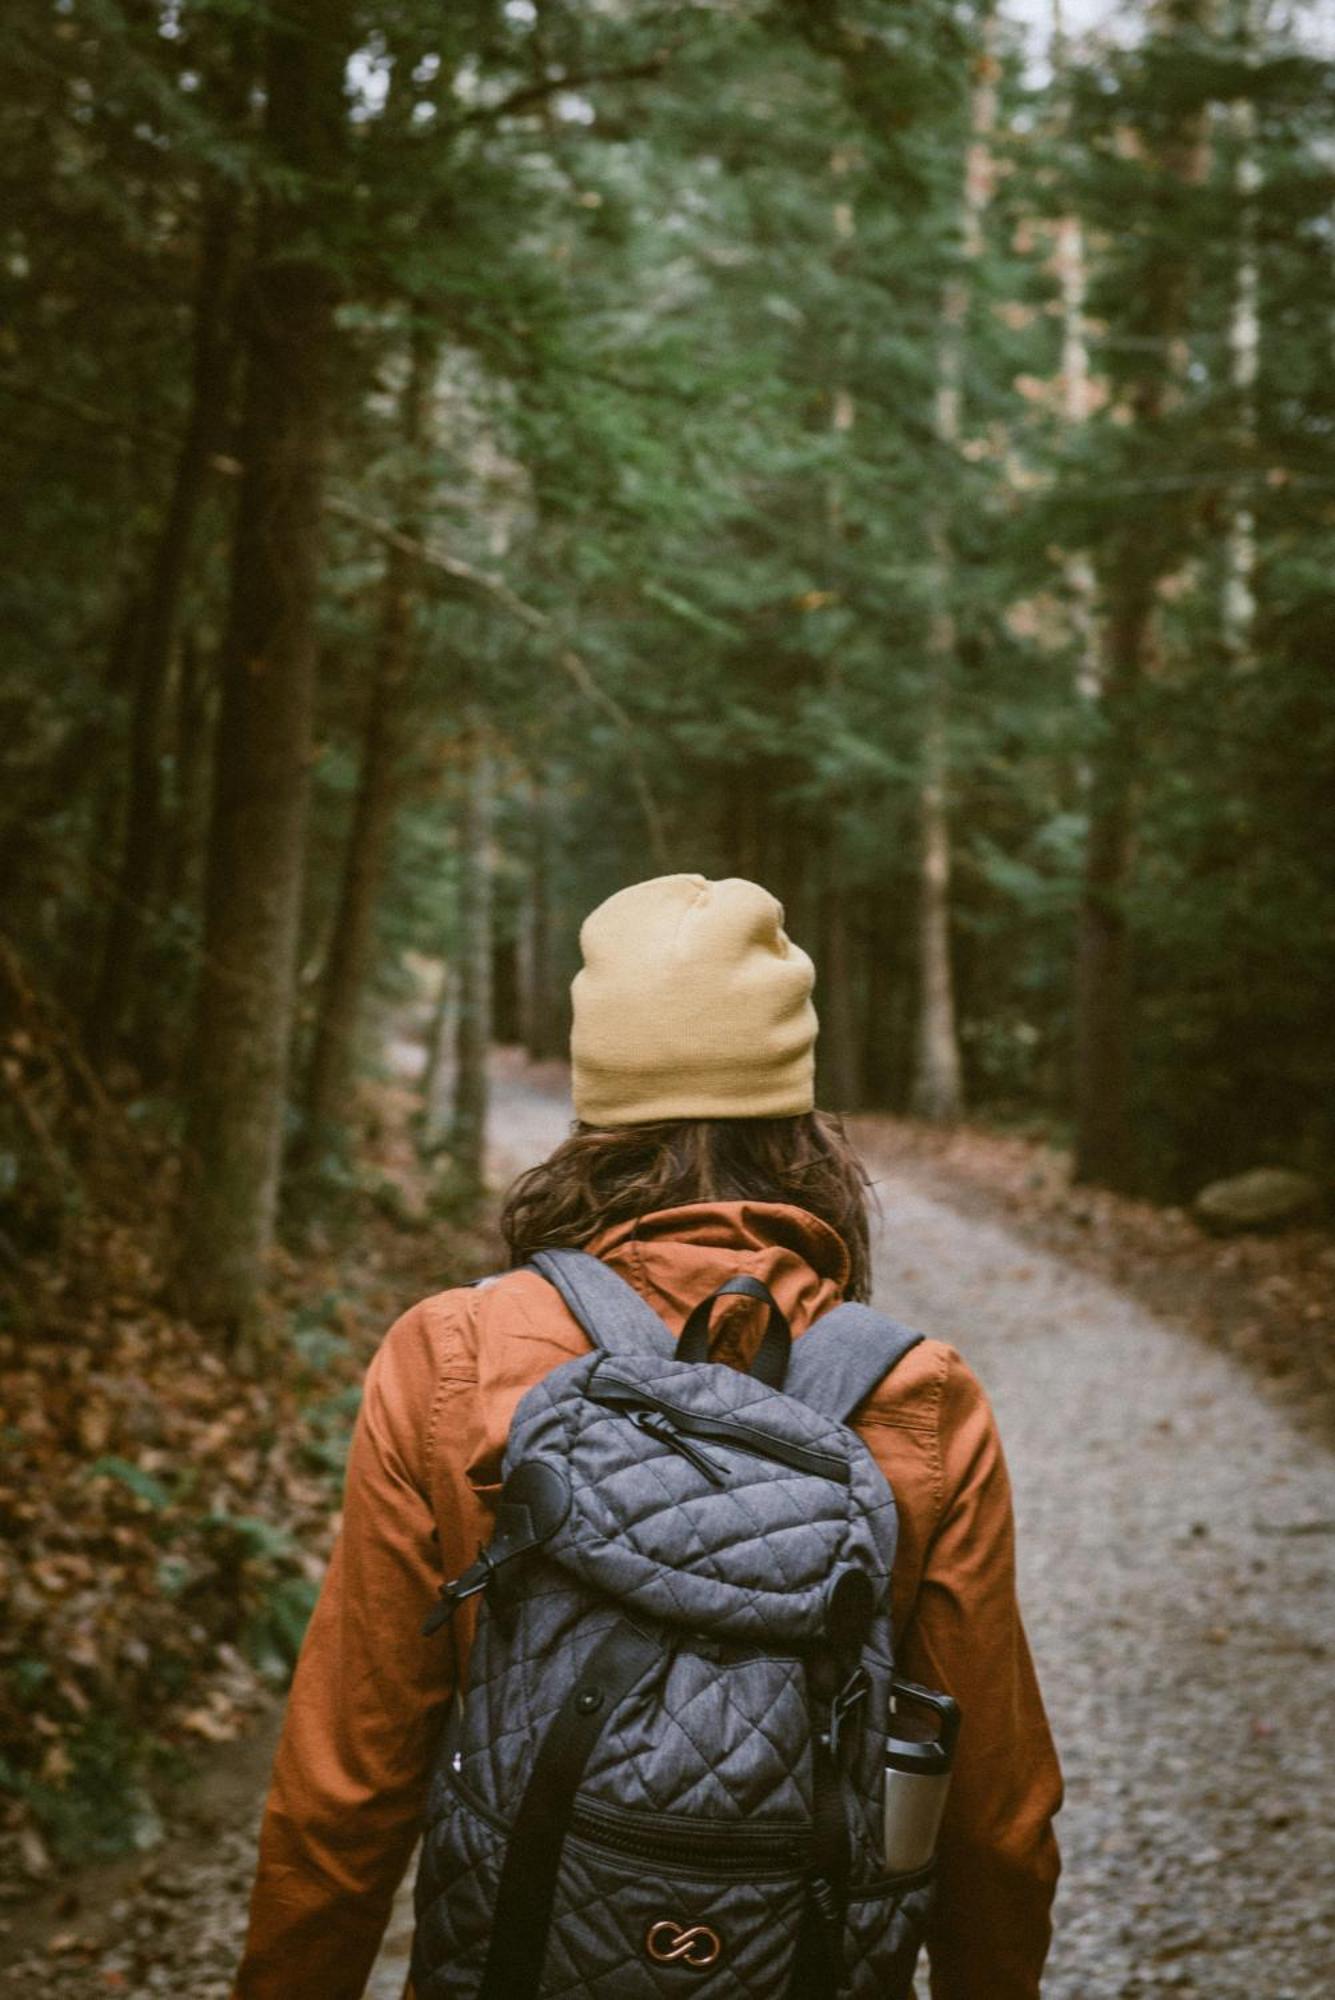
{"type": "Point", "coordinates": [919, 1756]}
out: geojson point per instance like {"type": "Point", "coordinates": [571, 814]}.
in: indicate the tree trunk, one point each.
{"type": "Point", "coordinates": [263, 750]}
{"type": "Point", "coordinates": [937, 1088]}
{"type": "Point", "coordinates": [788, 841]}
{"type": "Point", "coordinates": [154, 1032]}
{"type": "Point", "coordinates": [183, 880]}
{"type": "Point", "coordinates": [142, 836]}
{"type": "Point", "coordinates": [886, 1023]}
{"type": "Point", "coordinates": [839, 1047]}
{"type": "Point", "coordinates": [542, 1022]}
{"type": "Point", "coordinates": [1104, 1151]}
{"type": "Point", "coordinates": [439, 1033]}
{"type": "Point", "coordinates": [1244, 355]}
{"type": "Point", "coordinates": [506, 1013]}
{"type": "Point", "coordinates": [742, 825]}
{"type": "Point", "coordinates": [472, 1041]}
{"type": "Point", "coordinates": [330, 1077]}
{"type": "Point", "coordinates": [1081, 584]}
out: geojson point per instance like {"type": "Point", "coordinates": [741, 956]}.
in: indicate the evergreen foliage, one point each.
{"type": "Point", "coordinates": [677, 517]}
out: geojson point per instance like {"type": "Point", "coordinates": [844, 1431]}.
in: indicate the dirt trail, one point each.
{"type": "Point", "coordinates": [1175, 1542]}
{"type": "Point", "coordinates": [1175, 1559]}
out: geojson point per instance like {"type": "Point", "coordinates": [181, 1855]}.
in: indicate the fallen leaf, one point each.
{"type": "Point", "coordinates": [212, 1727]}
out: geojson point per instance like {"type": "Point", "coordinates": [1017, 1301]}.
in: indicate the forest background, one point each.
{"type": "Point", "coordinates": [462, 460]}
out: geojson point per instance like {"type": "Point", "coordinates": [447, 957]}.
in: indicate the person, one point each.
{"type": "Point", "coordinates": [697, 1153]}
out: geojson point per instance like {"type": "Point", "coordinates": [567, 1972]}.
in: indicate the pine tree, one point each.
{"type": "Point", "coordinates": [263, 757]}
{"type": "Point", "coordinates": [1171, 153]}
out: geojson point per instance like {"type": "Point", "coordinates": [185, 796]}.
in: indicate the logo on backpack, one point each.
{"type": "Point", "coordinates": [668, 1943]}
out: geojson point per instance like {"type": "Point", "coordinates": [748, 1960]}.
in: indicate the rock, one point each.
{"type": "Point", "coordinates": [1265, 1198]}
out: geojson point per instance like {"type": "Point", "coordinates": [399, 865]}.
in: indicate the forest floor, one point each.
{"type": "Point", "coordinates": [1176, 1527]}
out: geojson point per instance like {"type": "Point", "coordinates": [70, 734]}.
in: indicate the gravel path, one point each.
{"type": "Point", "coordinates": [1175, 1567]}
{"type": "Point", "coordinates": [1175, 1547]}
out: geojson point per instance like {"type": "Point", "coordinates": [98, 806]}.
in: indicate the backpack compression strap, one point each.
{"type": "Point", "coordinates": [841, 1359]}
{"type": "Point", "coordinates": [610, 1311]}
{"type": "Point", "coordinates": [522, 1915]}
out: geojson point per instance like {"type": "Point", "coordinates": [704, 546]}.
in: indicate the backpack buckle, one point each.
{"type": "Point", "coordinates": [850, 1696]}
{"type": "Point", "coordinates": [475, 1578]}
{"type": "Point", "coordinates": [533, 1505]}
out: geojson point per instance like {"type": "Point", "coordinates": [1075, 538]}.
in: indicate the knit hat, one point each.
{"type": "Point", "coordinates": [692, 1003]}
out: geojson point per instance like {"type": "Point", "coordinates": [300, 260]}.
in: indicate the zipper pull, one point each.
{"type": "Point", "coordinates": [665, 1431]}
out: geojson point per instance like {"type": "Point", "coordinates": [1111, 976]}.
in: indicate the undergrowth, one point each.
{"type": "Point", "coordinates": [165, 1518]}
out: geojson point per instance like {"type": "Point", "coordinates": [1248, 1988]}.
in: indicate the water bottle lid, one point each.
{"type": "Point", "coordinates": [921, 1732]}
{"type": "Point", "coordinates": [921, 1760]}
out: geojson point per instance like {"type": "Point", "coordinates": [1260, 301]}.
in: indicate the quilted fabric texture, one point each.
{"type": "Point", "coordinates": [730, 1567]}
{"type": "Point", "coordinates": [752, 1558]}
{"type": "Point", "coordinates": [605, 1907]}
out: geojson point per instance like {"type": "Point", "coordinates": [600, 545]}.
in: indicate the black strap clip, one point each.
{"type": "Point", "coordinates": [850, 1696]}
{"type": "Point", "coordinates": [475, 1578]}
{"type": "Point", "coordinates": [534, 1503]}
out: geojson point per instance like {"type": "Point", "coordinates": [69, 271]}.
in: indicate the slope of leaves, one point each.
{"type": "Point", "coordinates": [164, 1519]}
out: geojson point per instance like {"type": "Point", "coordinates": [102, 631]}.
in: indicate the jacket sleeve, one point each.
{"type": "Point", "coordinates": [364, 1712]}
{"type": "Point", "coordinates": [998, 1862]}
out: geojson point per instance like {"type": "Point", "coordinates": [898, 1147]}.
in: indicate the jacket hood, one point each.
{"type": "Point", "coordinates": [675, 1257]}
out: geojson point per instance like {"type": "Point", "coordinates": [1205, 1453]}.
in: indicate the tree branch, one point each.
{"type": "Point", "coordinates": [477, 582]}
{"type": "Point", "coordinates": [494, 590]}
{"type": "Point", "coordinates": [537, 93]}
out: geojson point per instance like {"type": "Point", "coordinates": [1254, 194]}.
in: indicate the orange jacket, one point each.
{"type": "Point", "coordinates": [369, 1694]}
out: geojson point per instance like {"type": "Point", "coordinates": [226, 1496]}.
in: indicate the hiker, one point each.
{"type": "Point", "coordinates": [697, 1159]}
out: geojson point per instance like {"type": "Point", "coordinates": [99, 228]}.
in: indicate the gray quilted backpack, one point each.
{"type": "Point", "coordinates": [664, 1776]}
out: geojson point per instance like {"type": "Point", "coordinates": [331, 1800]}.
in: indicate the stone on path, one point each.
{"type": "Point", "coordinates": [1265, 1198]}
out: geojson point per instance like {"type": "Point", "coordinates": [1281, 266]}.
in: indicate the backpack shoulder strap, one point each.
{"type": "Point", "coordinates": [842, 1358]}
{"type": "Point", "coordinates": [611, 1312]}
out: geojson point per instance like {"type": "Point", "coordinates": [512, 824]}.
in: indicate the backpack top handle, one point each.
{"type": "Point", "coordinates": [771, 1363]}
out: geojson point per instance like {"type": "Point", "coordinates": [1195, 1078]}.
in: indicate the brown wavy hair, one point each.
{"type": "Point", "coordinates": [603, 1174]}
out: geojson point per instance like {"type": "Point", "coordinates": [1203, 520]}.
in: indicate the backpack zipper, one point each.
{"type": "Point", "coordinates": [695, 1845]}
{"type": "Point", "coordinates": [701, 1845]}
{"type": "Point", "coordinates": [666, 1432]}
{"type": "Point", "coordinates": [678, 1424]}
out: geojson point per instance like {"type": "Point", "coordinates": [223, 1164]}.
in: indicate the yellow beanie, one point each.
{"type": "Point", "coordinates": [692, 1003]}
